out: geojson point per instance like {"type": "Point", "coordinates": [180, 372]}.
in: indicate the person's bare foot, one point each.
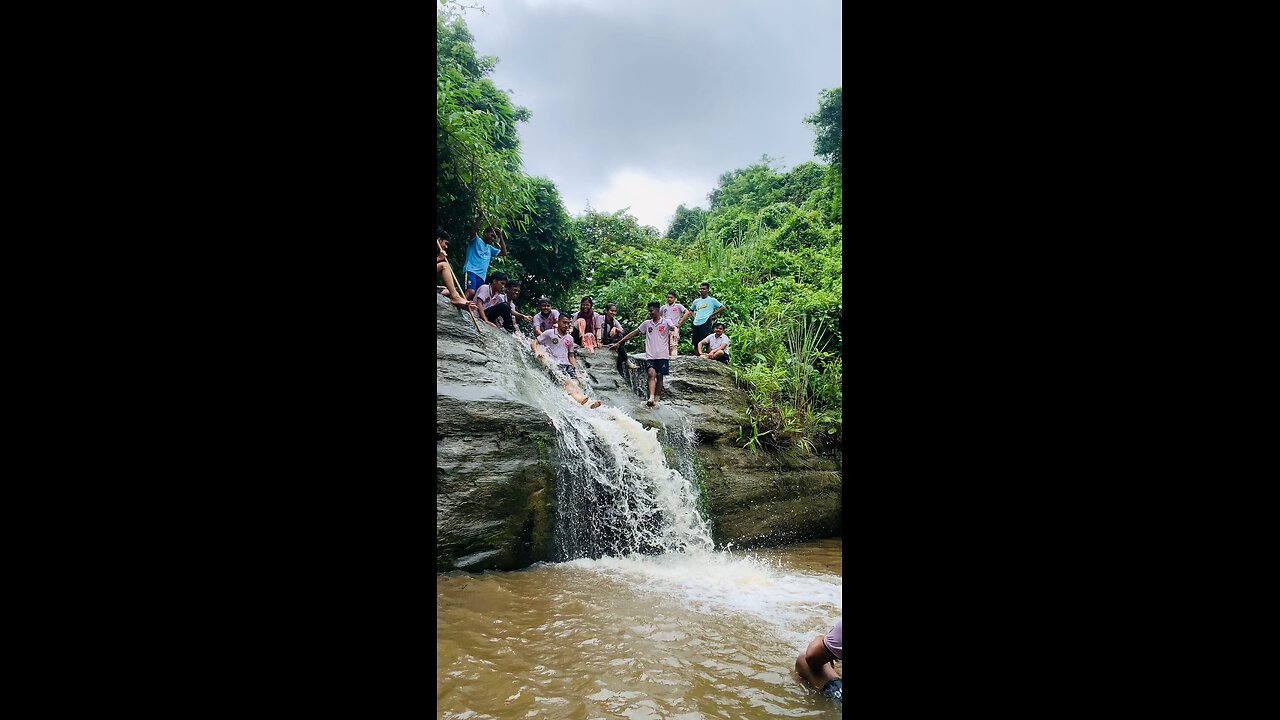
{"type": "Point", "coordinates": [595, 405]}
{"type": "Point", "coordinates": [649, 402]}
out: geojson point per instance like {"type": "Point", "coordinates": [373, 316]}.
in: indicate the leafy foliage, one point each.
{"type": "Point", "coordinates": [478, 166]}
{"type": "Point", "coordinates": [477, 147]}
{"type": "Point", "coordinates": [828, 125]}
{"type": "Point", "coordinates": [770, 247]}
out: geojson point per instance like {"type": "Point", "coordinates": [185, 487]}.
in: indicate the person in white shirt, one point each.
{"type": "Point", "coordinates": [490, 303]}
{"type": "Point", "coordinates": [559, 344]}
{"type": "Point", "coordinates": [717, 345]}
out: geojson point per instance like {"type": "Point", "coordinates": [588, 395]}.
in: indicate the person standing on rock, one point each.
{"type": "Point", "coordinates": [480, 252]}
{"type": "Point", "coordinates": [816, 665]}
{"type": "Point", "coordinates": [704, 308]}
{"type": "Point", "coordinates": [559, 344]}
{"type": "Point", "coordinates": [657, 350]}
{"type": "Point", "coordinates": [717, 345]}
{"type": "Point", "coordinates": [675, 314]}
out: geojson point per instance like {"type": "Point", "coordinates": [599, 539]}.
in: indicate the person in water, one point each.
{"type": "Point", "coordinates": [559, 344]}
{"type": "Point", "coordinates": [716, 344]}
{"type": "Point", "coordinates": [816, 665]}
{"type": "Point", "coordinates": [675, 314]}
{"type": "Point", "coordinates": [575, 391]}
{"type": "Point", "coordinates": [657, 350]}
{"type": "Point", "coordinates": [585, 325]}
{"type": "Point", "coordinates": [480, 252]}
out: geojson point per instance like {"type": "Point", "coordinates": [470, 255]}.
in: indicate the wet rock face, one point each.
{"type": "Point", "coordinates": [496, 452]}
{"type": "Point", "coordinates": [700, 392]}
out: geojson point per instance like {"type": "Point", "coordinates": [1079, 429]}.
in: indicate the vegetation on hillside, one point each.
{"type": "Point", "coordinates": [769, 244]}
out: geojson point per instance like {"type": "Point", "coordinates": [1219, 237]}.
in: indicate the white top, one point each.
{"type": "Point", "coordinates": [714, 343]}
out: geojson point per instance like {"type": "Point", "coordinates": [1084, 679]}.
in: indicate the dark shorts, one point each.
{"type": "Point", "coordinates": [661, 367]}
{"type": "Point", "coordinates": [723, 358]}
{"type": "Point", "coordinates": [474, 281]}
{"type": "Point", "coordinates": [568, 370]}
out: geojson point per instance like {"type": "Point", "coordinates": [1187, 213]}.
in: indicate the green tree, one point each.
{"type": "Point", "coordinates": [828, 124]}
{"type": "Point", "coordinates": [546, 250]}
{"type": "Point", "coordinates": [477, 147]}
{"type": "Point", "coordinates": [687, 223]}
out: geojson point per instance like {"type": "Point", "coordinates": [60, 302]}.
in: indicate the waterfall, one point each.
{"type": "Point", "coordinates": [615, 493]}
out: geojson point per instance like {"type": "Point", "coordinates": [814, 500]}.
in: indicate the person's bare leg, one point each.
{"type": "Point", "coordinates": [652, 382]}
{"type": "Point", "coordinates": [814, 664]}
{"type": "Point", "coordinates": [452, 281]}
{"type": "Point", "coordinates": [658, 395]}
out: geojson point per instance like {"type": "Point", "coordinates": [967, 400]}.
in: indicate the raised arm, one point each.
{"type": "Point", "coordinates": [502, 241]}
{"type": "Point", "coordinates": [475, 228]}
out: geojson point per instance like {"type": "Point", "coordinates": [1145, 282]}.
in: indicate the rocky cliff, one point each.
{"type": "Point", "coordinates": [496, 452]}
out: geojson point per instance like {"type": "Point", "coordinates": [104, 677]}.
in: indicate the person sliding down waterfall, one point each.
{"type": "Point", "coordinates": [657, 350]}
{"type": "Point", "coordinates": [575, 391]}
{"type": "Point", "coordinates": [816, 665]}
{"type": "Point", "coordinates": [559, 344]}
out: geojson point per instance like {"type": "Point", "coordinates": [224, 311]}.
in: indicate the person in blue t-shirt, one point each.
{"type": "Point", "coordinates": [480, 252]}
{"type": "Point", "coordinates": [704, 308]}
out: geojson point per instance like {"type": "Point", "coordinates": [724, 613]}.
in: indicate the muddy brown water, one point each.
{"type": "Point", "coordinates": [681, 636]}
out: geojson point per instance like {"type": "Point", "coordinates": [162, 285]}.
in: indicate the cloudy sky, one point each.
{"type": "Point", "coordinates": [644, 103]}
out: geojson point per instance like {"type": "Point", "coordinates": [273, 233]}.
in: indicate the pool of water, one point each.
{"type": "Point", "coordinates": [682, 635]}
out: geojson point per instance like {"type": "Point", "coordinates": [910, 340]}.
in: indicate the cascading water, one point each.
{"type": "Point", "coordinates": [639, 616]}
{"type": "Point", "coordinates": [615, 493]}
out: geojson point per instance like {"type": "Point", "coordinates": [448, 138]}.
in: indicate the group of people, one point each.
{"type": "Point", "coordinates": [492, 299]}
{"type": "Point", "coordinates": [556, 335]}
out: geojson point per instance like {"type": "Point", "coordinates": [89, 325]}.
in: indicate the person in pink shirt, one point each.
{"type": "Point", "coordinates": [657, 350]}
{"type": "Point", "coordinates": [559, 344]}
{"type": "Point", "coordinates": [675, 314]}
{"type": "Point", "coordinates": [816, 665]}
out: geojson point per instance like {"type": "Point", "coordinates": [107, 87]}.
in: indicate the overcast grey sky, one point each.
{"type": "Point", "coordinates": [644, 103]}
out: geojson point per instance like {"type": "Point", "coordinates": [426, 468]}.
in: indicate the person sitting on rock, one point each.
{"type": "Point", "coordinates": [575, 391]}
{"type": "Point", "coordinates": [584, 331]}
{"type": "Point", "coordinates": [717, 345]}
{"type": "Point", "coordinates": [657, 350]}
{"type": "Point", "coordinates": [513, 294]}
{"type": "Point", "coordinates": [491, 303]}
{"type": "Point", "coordinates": [545, 318]}
{"type": "Point", "coordinates": [444, 274]}
{"type": "Point", "coordinates": [611, 330]}
{"type": "Point", "coordinates": [816, 665]}
{"type": "Point", "coordinates": [559, 344]}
